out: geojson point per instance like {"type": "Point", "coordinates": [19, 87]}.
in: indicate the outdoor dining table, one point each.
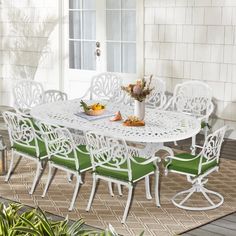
{"type": "Point", "coordinates": [160, 126]}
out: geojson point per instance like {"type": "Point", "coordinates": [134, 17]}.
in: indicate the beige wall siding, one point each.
{"type": "Point", "coordinates": [194, 40]}
{"type": "Point", "coordinates": [28, 43]}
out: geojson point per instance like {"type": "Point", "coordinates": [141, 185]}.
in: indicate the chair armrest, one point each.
{"type": "Point", "coordinates": [170, 158]}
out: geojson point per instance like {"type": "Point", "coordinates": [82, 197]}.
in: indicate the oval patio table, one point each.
{"type": "Point", "coordinates": [160, 126]}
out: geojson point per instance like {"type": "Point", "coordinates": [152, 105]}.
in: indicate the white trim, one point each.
{"type": "Point", "coordinates": [140, 38]}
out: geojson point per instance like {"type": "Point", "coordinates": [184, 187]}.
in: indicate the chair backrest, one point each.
{"type": "Point", "coordinates": [21, 131]}
{"type": "Point", "coordinates": [108, 153]}
{"type": "Point", "coordinates": [193, 97]}
{"type": "Point", "coordinates": [157, 98]}
{"type": "Point", "coordinates": [27, 94]}
{"type": "Point", "coordinates": [59, 142]}
{"type": "Point", "coordinates": [54, 96]}
{"type": "Point", "coordinates": [212, 146]}
{"type": "Point", "coordinates": [105, 85]}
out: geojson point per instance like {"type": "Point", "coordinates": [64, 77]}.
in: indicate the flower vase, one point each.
{"type": "Point", "coordinates": [139, 109]}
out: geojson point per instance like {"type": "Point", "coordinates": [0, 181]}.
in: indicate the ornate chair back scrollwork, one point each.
{"type": "Point", "coordinates": [157, 98]}
{"type": "Point", "coordinates": [104, 86]}
{"type": "Point", "coordinates": [24, 142]}
{"type": "Point", "coordinates": [27, 94]}
{"type": "Point", "coordinates": [197, 168]}
{"type": "Point", "coordinates": [112, 161]}
{"type": "Point", "coordinates": [193, 98]}
{"type": "Point", "coordinates": [65, 155]}
{"type": "Point", "coordinates": [54, 96]}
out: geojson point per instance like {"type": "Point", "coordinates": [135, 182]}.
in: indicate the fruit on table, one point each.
{"type": "Point", "coordinates": [94, 107]}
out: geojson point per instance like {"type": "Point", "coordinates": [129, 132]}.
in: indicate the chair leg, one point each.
{"type": "Point", "coordinates": [157, 193]}
{"type": "Point", "coordinates": [130, 194]}
{"type": "Point", "coordinates": [36, 178]}
{"type": "Point", "coordinates": [92, 192]}
{"type": "Point", "coordinates": [77, 185]}
{"type": "Point", "coordinates": [69, 176]}
{"type": "Point", "coordinates": [198, 187]}
{"type": "Point", "coordinates": [50, 177]}
{"type": "Point", "coordinates": [193, 148]}
{"type": "Point", "coordinates": [147, 187]}
{"type": "Point", "coordinates": [119, 189]}
{"type": "Point", "coordinates": [10, 167]}
{"type": "Point", "coordinates": [110, 188]}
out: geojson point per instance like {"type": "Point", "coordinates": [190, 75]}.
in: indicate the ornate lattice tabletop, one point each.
{"type": "Point", "coordinates": [161, 126]}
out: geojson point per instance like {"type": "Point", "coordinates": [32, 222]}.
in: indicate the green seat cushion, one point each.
{"type": "Point", "coordinates": [190, 167]}
{"type": "Point", "coordinates": [138, 170]}
{"type": "Point", "coordinates": [31, 150]}
{"type": "Point", "coordinates": [84, 160]}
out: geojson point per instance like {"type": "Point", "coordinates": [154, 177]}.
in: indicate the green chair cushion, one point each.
{"type": "Point", "coordinates": [31, 150]}
{"type": "Point", "coordinates": [190, 167]}
{"type": "Point", "coordinates": [84, 160]}
{"type": "Point", "coordinates": [138, 170]}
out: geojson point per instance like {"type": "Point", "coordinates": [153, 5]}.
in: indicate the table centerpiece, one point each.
{"type": "Point", "coordinates": [139, 91]}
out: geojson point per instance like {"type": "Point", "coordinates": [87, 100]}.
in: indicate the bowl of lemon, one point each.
{"type": "Point", "coordinates": [95, 109]}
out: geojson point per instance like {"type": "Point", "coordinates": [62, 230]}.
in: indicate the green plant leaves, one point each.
{"type": "Point", "coordinates": [35, 223]}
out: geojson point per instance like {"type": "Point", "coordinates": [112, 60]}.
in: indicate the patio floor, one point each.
{"type": "Point", "coordinates": [143, 215]}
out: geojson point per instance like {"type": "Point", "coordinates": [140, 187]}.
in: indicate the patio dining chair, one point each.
{"type": "Point", "coordinates": [27, 94]}
{"type": "Point", "coordinates": [64, 155]}
{"type": "Point", "coordinates": [103, 86]}
{"type": "Point", "coordinates": [53, 95]}
{"type": "Point", "coordinates": [112, 161]}
{"type": "Point", "coordinates": [24, 143]}
{"type": "Point", "coordinates": [193, 98]}
{"type": "Point", "coordinates": [196, 169]}
{"type": "Point", "coordinates": [157, 98]}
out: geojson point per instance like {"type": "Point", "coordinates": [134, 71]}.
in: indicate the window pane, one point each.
{"type": "Point", "coordinates": [89, 25]}
{"type": "Point", "coordinates": [74, 25]}
{"type": "Point", "coordinates": [114, 57]}
{"type": "Point", "coordinates": [75, 55]}
{"type": "Point", "coordinates": [113, 4]}
{"type": "Point", "coordinates": [113, 25]}
{"type": "Point", "coordinates": [129, 57]}
{"type": "Point", "coordinates": [128, 4]}
{"type": "Point", "coordinates": [128, 25]}
{"type": "Point", "coordinates": [74, 4]}
{"type": "Point", "coordinates": [89, 59]}
{"type": "Point", "coordinates": [89, 4]}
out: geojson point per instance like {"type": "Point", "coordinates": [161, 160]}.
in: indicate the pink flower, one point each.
{"type": "Point", "coordinates": [137, 89]}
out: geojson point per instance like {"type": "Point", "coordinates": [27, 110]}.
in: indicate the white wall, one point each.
{"type": "Point", "coordinates": [28, 43]}
{"type": "Point", "coordinates": [194, 40]}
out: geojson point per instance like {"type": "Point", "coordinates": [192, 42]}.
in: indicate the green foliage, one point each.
{"type": "Point", "coordinates": [35, 223]}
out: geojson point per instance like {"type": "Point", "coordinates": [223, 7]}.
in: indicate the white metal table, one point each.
{"type": "Point", "coordinates": [160, 126]}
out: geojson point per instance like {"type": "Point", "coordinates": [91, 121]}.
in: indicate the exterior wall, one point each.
{"type": "Point", "coordinates": [195, 40]}
{"type": "Point", "coordinates": [28, 44]}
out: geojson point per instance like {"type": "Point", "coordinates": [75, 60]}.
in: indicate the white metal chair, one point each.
{"type": "Point", "coordinates": [27, 94]}
{"type": "Point", "coordinates": [64, 155]}
{"type": "Point", "coordinates": [54, 96]}
{"type": "Point", "coordinates": [197, 168]}
{"type": "Point", "coordinates": [104, 86]}
{"type": "Point", "coordinates": [25, 143]}
{"type": "Point", "coordinates": [193, 98]}
{"type": "Point", "coordinates": [157, 98]}
{"type": "Point", "coordinates": [112, 161]}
